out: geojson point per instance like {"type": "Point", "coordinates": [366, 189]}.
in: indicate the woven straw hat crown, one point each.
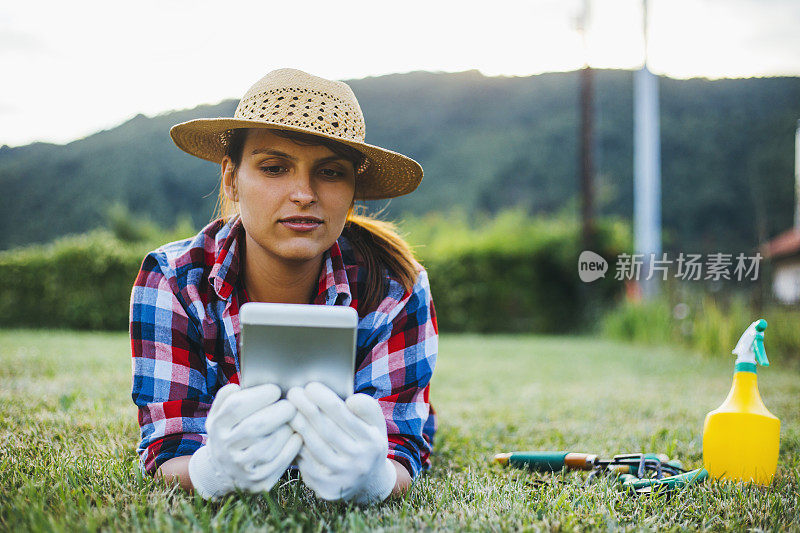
{"type": "Point", "coordinates": [293, 100]}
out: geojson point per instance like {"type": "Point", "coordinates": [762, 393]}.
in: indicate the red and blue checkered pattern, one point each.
{"type": "Point", "coordinates": [184, 327]}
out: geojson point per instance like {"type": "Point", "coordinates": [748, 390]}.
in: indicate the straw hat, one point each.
{"type": "Point", "coordinates": [293, 100]}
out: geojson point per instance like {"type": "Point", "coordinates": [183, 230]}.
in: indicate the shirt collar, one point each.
{"type": "Point", "coordinates": [225, 270]}
{"type": "Point", "coordinates": [333, 287]}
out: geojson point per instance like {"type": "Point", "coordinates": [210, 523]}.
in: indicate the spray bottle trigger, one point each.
{"type": "Point", "coordinates": [758, 349]}
{"type": "Point", "coordinates": [758, 343]}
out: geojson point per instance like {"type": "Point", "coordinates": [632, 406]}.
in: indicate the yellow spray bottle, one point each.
{"type": "Point", "coordinates": [741, 437]}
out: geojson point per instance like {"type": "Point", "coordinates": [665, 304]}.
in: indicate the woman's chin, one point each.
{"type": "Point", "coordinates": [301, 252]}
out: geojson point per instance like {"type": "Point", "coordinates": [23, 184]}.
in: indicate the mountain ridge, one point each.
{"type": "Point", "coordinates": [485, 142]}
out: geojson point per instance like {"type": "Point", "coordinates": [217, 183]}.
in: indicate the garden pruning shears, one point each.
{"type": "Point", "coordinates": [639, 472]}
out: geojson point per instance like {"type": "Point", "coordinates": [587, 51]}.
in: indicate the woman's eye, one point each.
{"type": "Point", "coordinates": [331, 173]}
{"type": "Point", "coordinates": [272, 169]}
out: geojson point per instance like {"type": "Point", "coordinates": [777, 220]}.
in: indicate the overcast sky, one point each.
{"type": "Point", "coordinates": [73, 68]}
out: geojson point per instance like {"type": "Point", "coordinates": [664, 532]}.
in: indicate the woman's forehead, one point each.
{"type": "Point", "coordinates": [261, 140]}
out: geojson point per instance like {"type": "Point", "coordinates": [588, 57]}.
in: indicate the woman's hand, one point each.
{"type": "Point", "coordinates": [345, 445]}
{"type": "Point", "coordinates": [250, 445]}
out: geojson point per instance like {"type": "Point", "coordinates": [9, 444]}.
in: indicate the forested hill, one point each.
{"type": "Point", "coordinates": [485, 143]}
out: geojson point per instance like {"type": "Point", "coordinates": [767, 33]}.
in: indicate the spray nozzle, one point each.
{"type": "Point", "coordinates": [750, 348]}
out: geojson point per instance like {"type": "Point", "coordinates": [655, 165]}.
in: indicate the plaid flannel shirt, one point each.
{"type": "Point", "coordinates": [184, 328]}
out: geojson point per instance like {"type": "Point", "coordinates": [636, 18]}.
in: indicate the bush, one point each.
{"type": "Point", "coordinates": [79, 281]}
{"type": "Point", "coordinates": [709, 324]}
{"type": "Point", "coordinates": [514, 273]}
{"type": "Point", "coordinates": [783, 335]}
{"type": "Point", "coordinates": [640, 322]}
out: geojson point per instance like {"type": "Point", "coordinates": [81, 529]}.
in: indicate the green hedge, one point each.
{"type": "Point", "coordinates": [510, 273]}
{"type": "Point", "coordinates": [81, 282]}
{"type": "Point", "coordinates": [533, 287]}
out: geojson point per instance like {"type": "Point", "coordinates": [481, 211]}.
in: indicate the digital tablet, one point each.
{"type": "Point", "coordinates": [293, 344]}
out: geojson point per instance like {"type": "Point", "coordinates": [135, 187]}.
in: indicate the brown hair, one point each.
{"type": "Point", "coordinates": [377, 241]}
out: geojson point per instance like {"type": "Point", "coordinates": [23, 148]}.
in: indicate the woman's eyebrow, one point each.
{"type": "Point", "coordinates": [278, 153]}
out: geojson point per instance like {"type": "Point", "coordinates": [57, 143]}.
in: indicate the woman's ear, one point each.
{"type": "Point", "coordinates": [229, 179]}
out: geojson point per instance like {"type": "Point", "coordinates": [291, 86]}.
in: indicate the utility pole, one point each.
{"type": "Point", "coordinates": [646, 171]}
{"type": "Point", "coordinates": [587, 137]}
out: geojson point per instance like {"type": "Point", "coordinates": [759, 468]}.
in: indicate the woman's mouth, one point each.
{"type": "Point", "coordinates": [301, 224]}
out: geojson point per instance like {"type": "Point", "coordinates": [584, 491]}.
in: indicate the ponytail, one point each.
{"type": "Point", "coordinates": [380, 246]}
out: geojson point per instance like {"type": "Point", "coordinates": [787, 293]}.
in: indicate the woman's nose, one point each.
{"type": "Point", "coordinates": [302, 191]}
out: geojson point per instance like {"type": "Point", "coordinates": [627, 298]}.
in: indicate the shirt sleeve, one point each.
{"type": "Point", "coordinates": [169, 367]}
{"type": "Point", "coordinates": [397, 361]}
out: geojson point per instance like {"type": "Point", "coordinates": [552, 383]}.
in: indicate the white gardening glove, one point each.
{"type": "Point", "coordinates": [344, 445]}
{"type": "Point", "coordinates": [249, 445]}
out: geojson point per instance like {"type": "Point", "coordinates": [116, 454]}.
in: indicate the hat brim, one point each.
{"type": "Point", "coordinates": [388, 174]}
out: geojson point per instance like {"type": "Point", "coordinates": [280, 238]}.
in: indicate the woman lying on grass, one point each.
{"type": "Point", "coordinates": [293, 162]}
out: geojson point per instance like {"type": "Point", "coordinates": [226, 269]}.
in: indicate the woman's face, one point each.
{"type": "Point", "coordinates": [278, 179]}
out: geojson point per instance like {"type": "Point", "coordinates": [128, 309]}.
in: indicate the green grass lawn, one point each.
{"type": "Point", "coordinates": [68, 434]}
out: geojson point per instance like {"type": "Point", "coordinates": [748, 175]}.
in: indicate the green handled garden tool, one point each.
{"type": "Point", "coordinates": [640, 472]}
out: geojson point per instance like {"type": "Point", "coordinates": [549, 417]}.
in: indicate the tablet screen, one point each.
{"type": "Point", "coordinates": [292, 346]}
